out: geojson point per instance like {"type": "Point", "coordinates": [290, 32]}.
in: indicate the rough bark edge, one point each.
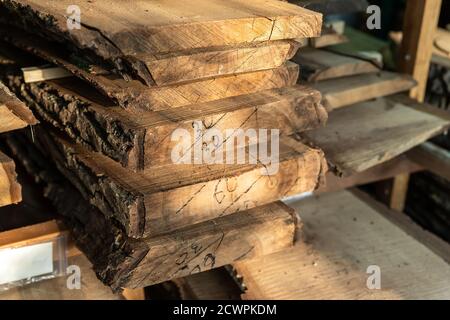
{"type": "Point", "coordinates": [105, 244]}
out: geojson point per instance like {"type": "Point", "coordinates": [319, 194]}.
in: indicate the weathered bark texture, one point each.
{"type": "Point", "coordinates": [140, 30]}
{"type": "Point", "coordinates": [124, 262]}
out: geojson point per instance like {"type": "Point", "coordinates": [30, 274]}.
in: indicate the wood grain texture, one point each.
{"type": "Point", "coordinates": [135, 95]}
{"type": "Point", "coordinates": [420, 24]}
{"type": "Point", "coordinates": [201, 247]}
{"type": "Point", "coordinates": [318, 65]}
{"type": "Point", "coordinates": [13, 113]}
{"type": "Point", "coordinates": [126, 35]}
{"type": "Point", "coordinates": [10, 189]}
{"type": "Point", "coordinates": [369, 133]}
{"type": "Point", "coordinates": [175, 68]}
{"type": "Point", "coordinates": [124, 262]}
{"type": "Point", "coordinates": [141, 140]}
{"type": "Point", "coordinates": [168, 198]}
{"type": "Point", "coordinates": [135, 27]}
{"type": "Point", "coordinates": [344, 235]}
{"type": "Point", "coordinates": [346, 91]}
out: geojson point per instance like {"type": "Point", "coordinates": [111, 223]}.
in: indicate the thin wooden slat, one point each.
{"type": "Point", "coordinates": [387, 170]}
{"type": "Point", "coordinates": [36, 74]}
{"type": "Point", "coordinates": [346, 91]}
{"type": "Point", "coordinates": [344, 235]}
{"type": "Point", "coordinates": [361, 136]}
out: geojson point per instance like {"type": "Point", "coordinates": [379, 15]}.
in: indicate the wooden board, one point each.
{"type": "Point", "coordinates": [433, 158]}
{"type": "Point", "coordinates": [387, 170]}
{"type": "Point", "coordinates": [168, 198]}
{"type": "Point", "coordinates": [318, 65]}
{"type": "Point", "coordinates": [441, 55]}
{"type": "Point", "coordinates": [172, 68]}
{"type": "Point", "coordinates": [13, 113]}
{"type": "Point", "coordinates": [124, 262]}
{"type": "Point", "coordinates": [344, 235]}
{"type": "Point", "coordinates": [142, 140]}
{"type": "Point", "coordinates": [10, 190]}
{"type": "Point", "coordinates": [136, 27]}
{"type": "Point", "coordinates": [361, 136]}
{"type": "Point", "coordinates": [126, 34]}
{"type": "Point", "coordinates": [134, 94]}
{"type": "Point", "coordinates": [255, 232]}
{"type": "Point", "coordinates": [346, 91]}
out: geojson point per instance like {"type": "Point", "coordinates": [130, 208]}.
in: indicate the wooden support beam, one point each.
{"type": "Point", "coordinates": [399, 192]}
{"type": "Point", "coordinates": [433, 158]}
{"type": "Point", "coordinates": [419, 29]}
{"type": "Point", "coordinates": [387, 170]}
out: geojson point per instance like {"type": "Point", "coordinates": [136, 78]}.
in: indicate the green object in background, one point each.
{"type": "Point", "coordinates": [365, 46]}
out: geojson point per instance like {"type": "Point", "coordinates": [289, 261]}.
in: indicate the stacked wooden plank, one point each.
{"type": "Point", "coordinates": [13, 115]}
{"type": "Point", "coordinates": [370, 123]}
{"type": "Point", "coordinates": [143, 70]}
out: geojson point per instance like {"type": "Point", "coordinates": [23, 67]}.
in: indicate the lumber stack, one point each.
{"type": "Point", "coordinates": [370, 121]}
{"type": "Point", "coordinates": [13, 115]}
{"type": "Point", "coordinates": [140, 72]}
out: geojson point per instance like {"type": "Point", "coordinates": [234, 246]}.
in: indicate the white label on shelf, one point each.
{"type": "Point", "coordinates": [25, 262]}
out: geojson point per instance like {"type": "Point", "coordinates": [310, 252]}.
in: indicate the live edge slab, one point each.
{"type": "Point", "coordinates": [172, 197]}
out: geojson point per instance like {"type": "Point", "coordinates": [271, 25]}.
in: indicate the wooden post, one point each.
{"type": "Point", "coordinates": [419, 28]}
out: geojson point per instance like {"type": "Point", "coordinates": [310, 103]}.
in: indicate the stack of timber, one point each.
{"type": "Point", "coordinates": [370, 121]}
{"type": "Point", "coordinates": [13, 115]}
{"type": "Point", "coordinates": [141, 71]}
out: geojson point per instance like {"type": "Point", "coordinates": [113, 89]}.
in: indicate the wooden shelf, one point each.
{"type": "Point", "coordinates": [345, 233]}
